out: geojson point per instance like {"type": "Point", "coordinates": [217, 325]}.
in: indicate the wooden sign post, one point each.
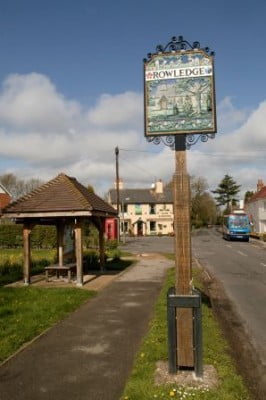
{"type": "Point", "coordinates": [180, 103]}
{"type": "Point", "coordinates": [183, 284]}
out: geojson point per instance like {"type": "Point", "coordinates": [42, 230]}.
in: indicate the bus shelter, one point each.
{"type": "Point", "coordinates": [61, 202]}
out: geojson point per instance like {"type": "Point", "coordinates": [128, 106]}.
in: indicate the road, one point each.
{"type": "Point", "coordinates": [240, 267]}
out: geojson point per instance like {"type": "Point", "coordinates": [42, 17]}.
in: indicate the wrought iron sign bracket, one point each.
{"type": "Point", "coordinates": [178, 44]}
{"type": "Point", "coordinates": [191, 139]}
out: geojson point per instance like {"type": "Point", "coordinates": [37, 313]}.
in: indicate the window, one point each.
{"type": "Point", "coordinates": [124, 208]}
{"type": "Point", "coordinates": [152, 226]}
{"type": "Point", "coordinates": [152, 208]}
{"type": "Point", "coordinates": [124, 224]}
{"type": "Point", "coordinates": [138, 210]}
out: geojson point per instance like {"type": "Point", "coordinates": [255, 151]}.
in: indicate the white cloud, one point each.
{"type": "Point", "coordinates": [228, 116]}
{"type": "Point", "coordinates": [240, 153]}
{"type": "Point", "coordinates": [117, 111]}
{"type": "Point", "coordinates": [43, 133]}
{"type": "Point", "coordinates": [32, 102]}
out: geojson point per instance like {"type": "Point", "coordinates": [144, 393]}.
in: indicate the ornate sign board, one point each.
{"type": "Point", "coordinates": [179, 93]}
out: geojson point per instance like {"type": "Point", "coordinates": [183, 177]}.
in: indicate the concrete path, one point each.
{"type": "Point", "coordinates": [90, 354]}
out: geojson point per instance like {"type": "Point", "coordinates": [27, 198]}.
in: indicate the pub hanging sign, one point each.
{"type": "Point", "coordinates": [179, 93]}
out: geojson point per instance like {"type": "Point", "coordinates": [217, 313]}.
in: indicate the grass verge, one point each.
{"type": "Point", "coordinates": [26, 312]}
{"type": "Point", "coordinates": [140, 385]}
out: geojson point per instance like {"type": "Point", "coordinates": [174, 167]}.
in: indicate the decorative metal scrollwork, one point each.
{"type": "Point", "coordinates": [191, 139]}
{"type": "Point", "coordinates": [167, 140]}
{"type": "Point", "coordinates": [178, 44]}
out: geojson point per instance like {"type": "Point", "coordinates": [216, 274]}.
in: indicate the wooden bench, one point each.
{"type": "Point", "coordinates": [56, 268]}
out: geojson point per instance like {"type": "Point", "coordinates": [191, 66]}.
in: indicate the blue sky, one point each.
{"type": "Point", "coordinates": [71, 76]}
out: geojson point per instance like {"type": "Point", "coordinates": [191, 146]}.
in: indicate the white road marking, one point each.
{"type": "Point", "coordinates": [228, 245]}
{"type": "Point", "coordinates": [264, 265]}
{"type": "Point", "coordinates": [242, 254]}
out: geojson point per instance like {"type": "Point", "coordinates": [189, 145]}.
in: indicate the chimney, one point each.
{"type": "Point", "coordinates": [120, 184]}
{"type": "Point", "coordinates": [260, 185]}
{"type": "Point", "coordinates": [159, 186]}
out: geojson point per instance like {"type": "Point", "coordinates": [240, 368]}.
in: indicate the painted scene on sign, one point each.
{"type": "Point", "coordinates": [179, 94]}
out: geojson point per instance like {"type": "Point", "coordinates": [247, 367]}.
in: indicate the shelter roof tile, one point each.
{"type": "Point", "coordinates": [62, 193]}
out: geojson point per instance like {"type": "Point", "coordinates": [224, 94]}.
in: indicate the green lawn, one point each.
{"type": "Point", "coordinates": [16, 255]}
{"type": "Point", "coordinates": [140, 385]}
{"type": "Point", "coordinates": [26, 312]}
{"type": "Point", "coordinates": [11, 261]}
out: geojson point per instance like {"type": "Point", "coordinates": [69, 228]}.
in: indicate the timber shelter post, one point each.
{"type": "Point", "coordinates": [26, 253]}
{"type": "Point", "coordinates": [79, 250]}
{"type": "Point", "coordinates": [101, 244]}
{"type": "Point", "coordinates": [60, 242]}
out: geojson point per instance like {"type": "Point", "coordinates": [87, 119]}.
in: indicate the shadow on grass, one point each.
{"type": "Point", "coordinates": [205, 299]}
{"type": "Point", "coordinates": [111, 267]}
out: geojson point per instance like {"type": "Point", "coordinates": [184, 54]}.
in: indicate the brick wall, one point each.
{"type": "Point", "coordinates": [4, 200]}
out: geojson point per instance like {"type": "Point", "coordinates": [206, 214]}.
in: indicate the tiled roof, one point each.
{"type": "Point", "coordinates": [61, 194]}
{"type": "Point", "coordinates": [261, 194]}
{"type": "Point", "coordinates": [141, 196]}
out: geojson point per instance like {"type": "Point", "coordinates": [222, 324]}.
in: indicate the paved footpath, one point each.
{"type": "Point", "coordinates": [90, 354]}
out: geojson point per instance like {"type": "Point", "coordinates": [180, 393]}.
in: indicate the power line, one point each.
{"type": "Point", "coordinates": [138, 151]}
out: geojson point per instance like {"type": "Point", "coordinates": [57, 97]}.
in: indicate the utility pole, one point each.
{"type": "Point", "coordinates": [117, 190]}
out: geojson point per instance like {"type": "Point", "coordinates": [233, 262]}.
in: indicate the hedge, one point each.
{"type": "Point", "coordinates": [43, 237]}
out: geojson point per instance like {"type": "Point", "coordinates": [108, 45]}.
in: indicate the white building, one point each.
{"type": "Point", "coordinates": [256, 208]}
{"type": "Point", "coordinates": [144, 211]}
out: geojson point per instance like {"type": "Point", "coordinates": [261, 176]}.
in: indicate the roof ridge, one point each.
{"type": "Point", "coordinates": [39, 189]}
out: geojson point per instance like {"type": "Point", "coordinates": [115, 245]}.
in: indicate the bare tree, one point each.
{"type": "Point", "coordinates": [18, 187]}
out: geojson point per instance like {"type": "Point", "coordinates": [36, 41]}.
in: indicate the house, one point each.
{"type": "Point", "coordinates": [144, 211]}
{"type": "Point", "coordinates": [256, 208]}
{"type": "Point", "coordinates": [5, 197]}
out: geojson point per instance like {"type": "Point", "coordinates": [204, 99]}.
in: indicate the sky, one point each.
{"type": "Point", "coordinates": [71, 76]}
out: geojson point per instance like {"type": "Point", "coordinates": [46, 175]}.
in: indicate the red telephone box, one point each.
{"type": "Point", "coordinates": [111, 228]}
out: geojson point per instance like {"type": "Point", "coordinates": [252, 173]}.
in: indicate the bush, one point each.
{"type": "Point", "coordinates": [111, 244]}
{"type": "Point", "coordinates": [42, 237]}
{"type": "Point", "coordinates": [114, 254]}
{"type": "Point", "coordinates": [91, 259]}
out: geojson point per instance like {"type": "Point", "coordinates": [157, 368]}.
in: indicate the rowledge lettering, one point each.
{"type": "Point", "coordinates": [178, 73]}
